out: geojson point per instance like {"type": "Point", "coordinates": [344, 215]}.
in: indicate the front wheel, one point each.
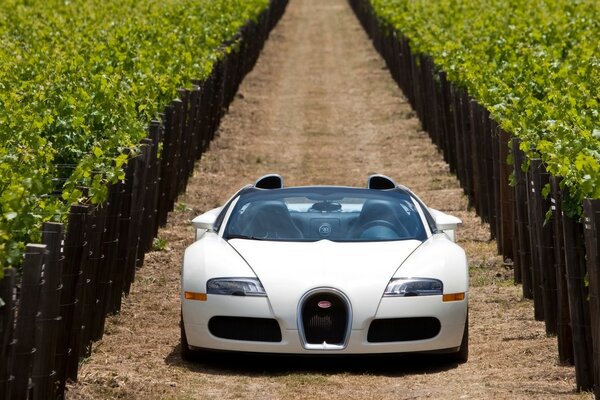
{"type": "Point", "coordinates": [187, 354]}
{"type": "Point", "coordinates": [462, 355]}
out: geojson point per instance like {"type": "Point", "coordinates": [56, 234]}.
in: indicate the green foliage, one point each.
{"type": "Point", "coordinates": [79, 82]}
{"type": "Point", "coordinates": [159, 244]}
{"type": "Point", "coordinates": [182, 207]}
{"type": "Point", "coordinates": [535, 65]}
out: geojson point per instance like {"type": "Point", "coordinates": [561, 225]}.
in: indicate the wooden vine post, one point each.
{"type": "Point", "coordinates": [592, 246]}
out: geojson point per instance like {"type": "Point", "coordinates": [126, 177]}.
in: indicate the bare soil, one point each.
{"type": "Point", "coordinates": [321, 108]}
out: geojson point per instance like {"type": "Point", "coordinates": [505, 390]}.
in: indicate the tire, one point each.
{"type": "Point", "coordinates": [187, 354]}
{"type": "Point", "coordinates": [462, 355]}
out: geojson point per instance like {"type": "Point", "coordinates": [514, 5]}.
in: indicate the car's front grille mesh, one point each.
{"type": "Point", "coordinates": [403, 329]}
{"type": "Point", "coordinates": [325, 319]}
{"type": "Point", "coordinates": [244, 328]}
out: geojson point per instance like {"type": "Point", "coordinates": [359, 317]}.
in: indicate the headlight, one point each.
{"type": "Point", "coordinates": [406, 287]}
{"type": "Point", "coordinates": [235, 287]}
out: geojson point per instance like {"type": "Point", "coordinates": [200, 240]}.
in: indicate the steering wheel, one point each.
{"type": "Point", "coordinates": [399, 230]}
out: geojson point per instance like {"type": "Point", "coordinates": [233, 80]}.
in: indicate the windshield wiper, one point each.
{"type": "Point", "coordinates": [235, 236]}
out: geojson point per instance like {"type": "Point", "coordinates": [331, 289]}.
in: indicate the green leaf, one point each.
{"type": "Point", "coordinates": [546, 190]}
{"type": "Point", "coordinates": [97, 152]}
{"type": "Point", "coordinates": [10, 215]}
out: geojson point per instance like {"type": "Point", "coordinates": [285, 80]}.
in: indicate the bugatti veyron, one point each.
{"type": "Point", "coordinates": [325, 270]}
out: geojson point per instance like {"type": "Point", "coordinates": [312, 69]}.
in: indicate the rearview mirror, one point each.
{"type": "Point", "coordinates": [205, 222]}
{"type": "Point", "coordinates": [445, 223]}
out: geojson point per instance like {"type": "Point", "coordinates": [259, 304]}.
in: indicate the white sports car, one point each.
{"type": "Point", "coordinates": [325, 270]}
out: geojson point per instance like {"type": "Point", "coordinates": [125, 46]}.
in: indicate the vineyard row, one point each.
{"type": "Point", "coordinates": [533, 65]}
{"type": "Point", "coordinates": [555, 256]}
{"type": "Point", "coordinates": [78, 275]}
{"type": "Point", "coordinates": [80, 82]}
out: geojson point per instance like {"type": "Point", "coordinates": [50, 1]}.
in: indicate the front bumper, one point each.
{"type": "Point", "coordinates": [451, 315]}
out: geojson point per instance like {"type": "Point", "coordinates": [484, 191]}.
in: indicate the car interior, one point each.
{"type": "Point", "coordinates": [376, 220]}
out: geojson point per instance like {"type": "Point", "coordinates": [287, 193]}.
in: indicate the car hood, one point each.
{"type": "Point", "coordinates": [288, 270]}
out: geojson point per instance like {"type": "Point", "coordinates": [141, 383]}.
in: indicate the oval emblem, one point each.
{"type": "Point", "coordinates": [325, 229]}
{"type": "Point", "coordinates": [324, 304]}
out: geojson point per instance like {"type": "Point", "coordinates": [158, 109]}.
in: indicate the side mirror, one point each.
{"type": "Point", "coordinates": [445, 223]}
{"type": "Point", "coordinates": [205, 222]}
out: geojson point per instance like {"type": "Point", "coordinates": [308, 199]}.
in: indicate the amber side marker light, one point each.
{"type": "Point", "coordinates": [453, 297]}
{"type": "Point", "coordinates": [195, 296]}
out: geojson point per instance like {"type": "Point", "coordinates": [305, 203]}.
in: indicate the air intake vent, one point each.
{"type": "Point", "coordinates": [380, 182]}
{"type": "Point", "coordinates": [243, 328]}
{"type": "Point", "coordinates": [403, 329]}
{"type": "Point", "coordinates": [271, 181]}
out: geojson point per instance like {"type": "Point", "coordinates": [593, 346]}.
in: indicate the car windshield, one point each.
{"type": "Point", "coordinates": [317, 213]}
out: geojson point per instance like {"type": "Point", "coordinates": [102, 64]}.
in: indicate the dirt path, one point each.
{"type": "Point", "coordinates": [320, 108]}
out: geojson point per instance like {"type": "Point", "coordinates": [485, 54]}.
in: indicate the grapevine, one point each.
{"type": "Point", "coordinates": [79, 83]}
{"type": "Point", "coordinates": [534, 65]}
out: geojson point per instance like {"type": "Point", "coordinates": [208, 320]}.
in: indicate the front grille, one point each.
{"type": "Point", "coordinates": [325, 319]}
{"type": "Point", "coordinates": [403, 329]}
{"type": "Point", "coordinates": [244, 328]}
